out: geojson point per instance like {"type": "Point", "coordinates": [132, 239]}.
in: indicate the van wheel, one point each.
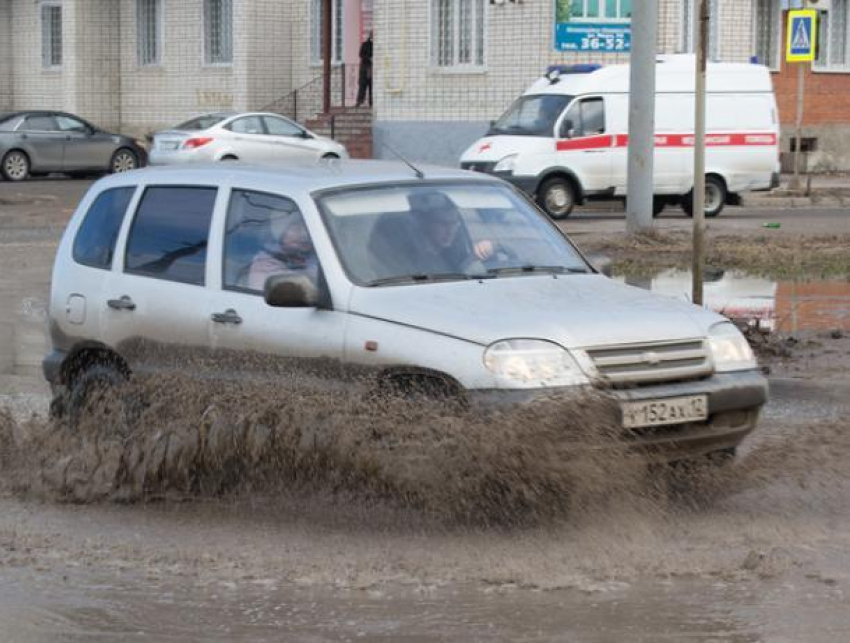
{"type": "Point", "coordinates": [557, 197]}
{"type": "Point", "coordinates": [715, 197]}
{"type": "Point", "coordinates": [658, 205]}
{"type": "Point", "coordinates": [97, 393]}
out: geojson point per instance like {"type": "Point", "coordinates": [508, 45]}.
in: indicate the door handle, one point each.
{"type": "Point", "coordinates": [124, 303]}
{"type": "Point", "coordinates": [24, 136]}
{"type": "Point", "coordinates": [229, 316]}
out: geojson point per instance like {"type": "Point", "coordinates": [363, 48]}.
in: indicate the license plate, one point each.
{"type": "Point", "coordinates": [169, 145]}
{"type": "Point", "coordinates": [674, 410]}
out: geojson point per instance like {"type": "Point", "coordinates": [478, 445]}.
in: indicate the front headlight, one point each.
{"type": "Point", "coordinates": [506, 164]}
{"type": "Point", "coordinates": [532, 362]}
{"type": "Point", "coordinates": [729, 349]}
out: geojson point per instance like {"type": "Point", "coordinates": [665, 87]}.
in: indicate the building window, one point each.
{"type": "Point", "coordinates": [148, 30]}
{"type": "Point", "coordinates": [51, 35]}
{"type": "Point", "coordinates": [458, 33]}
{"type": "Point", "coordinates": [602, 10]}
{"type": "Point", "coordinates": [688, 25]}
{"type": "Point", "coordinates": [316, 42]}
{"type": "Point", "coordinates": [218, 32]}
{"type": "Point", "coordinates": [767, 26]}
{"type": "Point", "coordinates": [833, 52]}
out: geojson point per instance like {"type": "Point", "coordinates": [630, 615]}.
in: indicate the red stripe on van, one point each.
{"type": "Point", "coordinates": [670, 140]}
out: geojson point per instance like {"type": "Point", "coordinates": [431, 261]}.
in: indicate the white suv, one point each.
{"type": "Point", "coordinates": [442, 277]}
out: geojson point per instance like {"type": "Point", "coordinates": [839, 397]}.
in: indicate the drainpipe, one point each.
{"type": "Point", "coordinates": [327, 52]}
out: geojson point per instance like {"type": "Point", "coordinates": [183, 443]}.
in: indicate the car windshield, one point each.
{"type": "Point", "coordinates": [532, 115]}
{"type": "Point", "coordinates": [201, 122]}
{"type": "Point", "coordinates": [432, 231]}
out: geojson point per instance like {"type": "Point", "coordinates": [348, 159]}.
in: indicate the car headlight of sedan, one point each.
{"type": "Point", "coordinates": [506, 164]}
{"type": "Point", "coordinates": [528, 363]}
{"type": "Point", "coordinates": [730, 349]}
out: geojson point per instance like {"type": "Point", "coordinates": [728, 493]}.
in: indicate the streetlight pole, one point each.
{"type": "Point", "coordinates": [641, 149]}
{"type": "Point", "coordinates": [698, 200]}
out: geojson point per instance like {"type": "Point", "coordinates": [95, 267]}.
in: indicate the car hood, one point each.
{"type": "Point", "coordinates": [495, 148]}
{"type": "Point", "coordinates": [576, 311]}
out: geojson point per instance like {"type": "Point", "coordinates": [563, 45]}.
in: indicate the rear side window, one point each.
{"type": "Point", "coordinates": [168, 239]}
{"type": "Point", "coordinates": [40, 124]}
{"type": "Point", "coordinates": [94, 244]}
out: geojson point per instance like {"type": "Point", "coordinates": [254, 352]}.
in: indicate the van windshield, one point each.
{"type": "Point", "coordinates": [434, 231]}
{"type": "Point", "coordinates": [532, 115]}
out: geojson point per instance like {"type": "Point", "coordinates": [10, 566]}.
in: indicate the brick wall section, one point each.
{"type": "Point", "coordinates": [351, 127]}
{"type": "Point", "coordinates": [5, 55]}
{"type": "Point", "coordinates": [32, 86]}
{"type": "Point", "coordinates": [519, 47]}
{"type": "Point", "coordinates": [827, 94]}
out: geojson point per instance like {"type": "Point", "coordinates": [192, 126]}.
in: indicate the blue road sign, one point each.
{"type": "Point", "coordinates": [802, 36]}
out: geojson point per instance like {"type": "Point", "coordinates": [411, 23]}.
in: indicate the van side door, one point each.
{"type": "Point", "coordinates": [263, 235]}
{"type": "Point", "coordinates": [584, 144]}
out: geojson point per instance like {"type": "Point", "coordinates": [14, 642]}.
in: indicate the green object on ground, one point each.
{"type": "Point", "coordinates": [772, 225]}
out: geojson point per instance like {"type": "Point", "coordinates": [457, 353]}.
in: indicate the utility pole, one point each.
{"type": "Point", "coordinates": [641, 116]}
{"type": "Point", "coordinates": [701, 39]}
{"type": "Point", "coordinates": [327, 52]}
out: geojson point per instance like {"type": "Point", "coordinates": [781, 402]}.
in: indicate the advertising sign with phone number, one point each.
{"type": "Point", "coordinates": [603, 37]}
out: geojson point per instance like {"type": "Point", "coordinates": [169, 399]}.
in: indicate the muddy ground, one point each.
{"type": "Point", "coordinates": [429, 546]}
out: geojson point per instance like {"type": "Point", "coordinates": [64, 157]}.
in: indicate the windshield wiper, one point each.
{"type": "Point", "coordinates": [422, 277]}
{"type": "Point", "coordinates": [531, 269]}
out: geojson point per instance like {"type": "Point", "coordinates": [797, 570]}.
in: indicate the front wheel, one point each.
{"type": "Point", "coordinates": [557, 197]}
{"type": "Point", "coordinates": [123, 160]}
{"type": "Point", "coordinates": [15, 166]}
{"type": "Point", "coordinates": [715, 198]}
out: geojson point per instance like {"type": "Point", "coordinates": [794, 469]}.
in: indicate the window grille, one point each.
{"type": "Point", "coordinates": [316, 16]}
{"type": "Point", "coordinates": [218, 32]}
{"type": "Point", "coordinates": [51, 35]}
{"type": "Point", "coordinates": [458, 33]}
{"type": "Point", "coordinates": [148, 25]}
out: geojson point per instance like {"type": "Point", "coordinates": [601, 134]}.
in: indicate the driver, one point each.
{"type": "Point", "coordinates": [293, 254]}
{"type": "Point", "coordinates": [444, 244]}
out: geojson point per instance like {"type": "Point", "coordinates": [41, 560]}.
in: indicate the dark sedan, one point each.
{"type": "Point", "coordinates": [41, 142]}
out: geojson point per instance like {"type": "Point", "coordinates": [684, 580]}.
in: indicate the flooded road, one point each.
{"type": "Point", "coordinates": [764, 561]}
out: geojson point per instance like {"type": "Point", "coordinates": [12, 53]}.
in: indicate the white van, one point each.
{"type": "Point", "coordinates": [565, 140]}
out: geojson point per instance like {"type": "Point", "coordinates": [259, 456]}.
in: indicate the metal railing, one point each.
{"type": "Point", "coordinates": [305, 102]}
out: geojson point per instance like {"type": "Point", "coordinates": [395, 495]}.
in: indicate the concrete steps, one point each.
{"type": "Point", "coordinates": [351, 126]}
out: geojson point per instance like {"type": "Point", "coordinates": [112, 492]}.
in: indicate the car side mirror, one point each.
{"type": "Point", "coordinates": [291, 291]}
{"type": "Point", "coordinates": [567, 129]}
{"type": "Point", "coordinates": [305, 134]}
{"type": "Point", "coordinates": [601, 263]}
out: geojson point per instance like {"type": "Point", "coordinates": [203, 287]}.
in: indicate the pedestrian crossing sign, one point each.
{"type": "Point", "coordinates": [801, 41]}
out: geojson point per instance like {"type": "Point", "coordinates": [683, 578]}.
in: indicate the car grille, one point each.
{"type": "Point", "coordinates": [478, 166]}
{"type": "Point", "coordinates": [637, 364]}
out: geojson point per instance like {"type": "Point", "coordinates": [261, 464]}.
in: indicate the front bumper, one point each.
{"type": "Point", "coordinates": [734, 401]}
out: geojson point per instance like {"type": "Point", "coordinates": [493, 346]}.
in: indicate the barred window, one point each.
{"type": "Point", "coordinates": [148, 30]}
{"type": "Point", "coordinates": [51, 35]}
{"type": "Point", "coordinates": [602, 10]}
{"type": "Point", "coordinates": [458, 32]}
{"type": "Point", "coordinates": [768, 32]}
{"type": "Point", "coordinates": [833, 52]}
{"type": "Point", "coordinates": [316, 42]}
{"type": "Point", "coordinates": [218, 32]}
{"type": "Point", "coordinates": [688, 25]}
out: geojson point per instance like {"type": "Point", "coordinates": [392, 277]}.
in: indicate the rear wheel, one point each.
{"type": "Point", "coordinates": [229, 157]}
{"type": "Point", "coordinates": [330, 155]}
{"type": "Point", "coordinates": [557, 197]}
{"type": "Point", "coordinates": [658, 205]}
{"type": "Point", "coordinates": [123, 160]}
{"type": "Point", "coordinates": [15, 166]}
{"type": "Point", "coordinates": [715, 197]}
{"type": "Point", "coordinates": [96, 395]}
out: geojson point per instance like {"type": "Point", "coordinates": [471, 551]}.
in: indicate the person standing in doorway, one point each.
{"type": "Point", "coordinates": [364, 83]}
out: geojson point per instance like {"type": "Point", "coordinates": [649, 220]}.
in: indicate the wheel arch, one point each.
{"type": "Point", "coordinates": [88, 354]}
{"type": "Point", "coordinates": [561, 172]}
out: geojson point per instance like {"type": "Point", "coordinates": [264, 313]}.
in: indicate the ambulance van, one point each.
{"type": "Point", "coordinates": [565, 140]}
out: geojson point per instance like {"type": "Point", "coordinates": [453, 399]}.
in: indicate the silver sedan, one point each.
{"type": "Point", "coordinates": [41, 142]}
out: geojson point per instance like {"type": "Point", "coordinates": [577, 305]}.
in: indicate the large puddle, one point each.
{"type": "Point", "coordinates": [783, 306]}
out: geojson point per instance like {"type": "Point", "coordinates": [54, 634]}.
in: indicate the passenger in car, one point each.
{"type": "Point", "coordinates": [294, 255]}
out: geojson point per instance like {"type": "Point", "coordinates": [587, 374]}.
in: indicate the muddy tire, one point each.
{"type": "Point", "coordinates": [557, 196]}
{"type": "Point", "coordinates": [99, 394]}
{"type": "Point", "coordinates": [15, 166]}
{"type": "Point", "coordinates": [715, 197]}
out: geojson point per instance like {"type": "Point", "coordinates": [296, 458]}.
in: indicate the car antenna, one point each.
{"type": "Point", "coordinates": [419, 173]}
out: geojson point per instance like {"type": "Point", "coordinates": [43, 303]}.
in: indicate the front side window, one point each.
{"type": "Point", "coordinates": [168, 239]}
{"type": "Point", "coordinates": [833, 51]}
{"type": "Point", "coordinates": [442, 232]}
{"type": "Point", "coordinates": [532, 115]}
{"type": "Point", "coordinates": [247, 125]}
{"type": "Point", "coordinates": [265, 236]}
{"type": "Point", "coordinates": [601, 10]}
{"type": "Point", "coordinates": [458, 33]}
{"type": "Point", "coordinates": [218, 32]}
{"type": "Point", "coordinates": [94, 244]}
{"type": "Point", "coordinates": [148, 29]}
{"type": "Point", "coordinates": [51, 35]}
{"type": "Point", "coordinates": [586, 118]}
{"type": "Point", "coordinates": [316, 40]}
{"type": "Point", "coordinates": [281, 127]}
{"type": "Point", "coordinates": [68, 124]}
